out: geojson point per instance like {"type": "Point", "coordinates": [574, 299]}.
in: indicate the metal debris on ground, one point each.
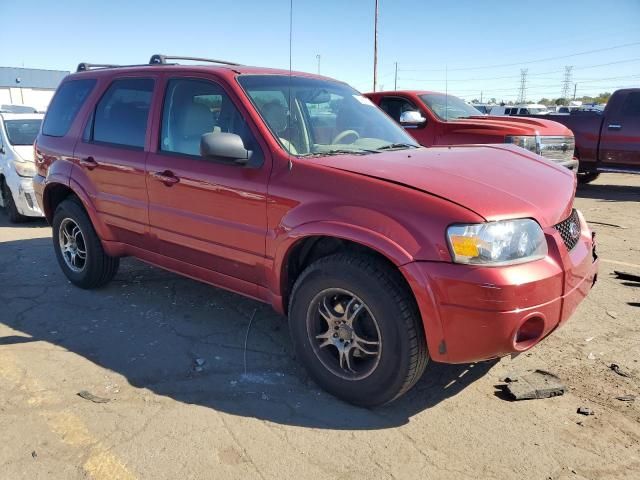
{"type": "Point", "coordinates": [534, 385]}
{"type": "Point", "coordinates": [585, 411]}
{"type": "Point", "coordinates": [626, 398]}
{"type": "Point", "coordinates": [92, 398]}
{"type": "Point", "coordinates": [626, 276]}
{"type": "Point", "coordinates": [616, 368]}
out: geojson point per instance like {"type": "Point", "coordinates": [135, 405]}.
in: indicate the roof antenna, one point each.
{"type": "Point", "coordinates": [446, 93]}
{"type": "Point", "coordinates": [290, 75]}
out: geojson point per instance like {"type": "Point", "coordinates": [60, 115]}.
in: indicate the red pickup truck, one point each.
{"type": "Point", "coordinates": [607, 141]}
{"type": "Point", "coordinates": [437, 119]}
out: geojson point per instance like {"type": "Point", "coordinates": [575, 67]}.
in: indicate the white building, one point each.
{"type": "Point", "coordinates": [29, 86]}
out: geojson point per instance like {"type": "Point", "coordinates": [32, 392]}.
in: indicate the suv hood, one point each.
{"type": "Point", "coordinates": [509, 126]}
{"type": "Point", "coordinates": [494, 181]}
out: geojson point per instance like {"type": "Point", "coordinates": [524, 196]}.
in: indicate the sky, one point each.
{"type": "Point", "coordinates": [468, 48]}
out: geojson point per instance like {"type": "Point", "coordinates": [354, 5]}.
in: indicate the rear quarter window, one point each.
{"type": "Point", "coordinates": [65, 106]}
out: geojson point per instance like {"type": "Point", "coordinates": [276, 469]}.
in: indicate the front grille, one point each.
{"type": "Point", "coordinates": [569, 230]}
{"type": "Point", "coordinates": [558, 149]}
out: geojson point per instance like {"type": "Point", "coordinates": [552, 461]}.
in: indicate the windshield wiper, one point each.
{"type": "Point", "coordinates": [397, 146]}
{"type": "Point", "coordinates": [346, 151]}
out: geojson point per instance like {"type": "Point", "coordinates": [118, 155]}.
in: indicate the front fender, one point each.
{"type": "Point", "coordinates": [287, 240]}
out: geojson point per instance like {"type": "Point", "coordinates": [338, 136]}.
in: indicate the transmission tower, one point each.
{"type": "Point", "coordinates": [566, 83]}
{"type": "Point", "coordinates": [522, 95]}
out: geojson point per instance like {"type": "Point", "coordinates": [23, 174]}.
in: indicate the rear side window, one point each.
{"type": "Point", "coordinates": [631, 106]}
{"type": "Point", "coordinates": [65, 106]}
{"type": "Point", "coordinates": [121, 115]}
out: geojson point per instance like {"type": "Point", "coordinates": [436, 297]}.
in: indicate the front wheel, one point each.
{"type": "Point", "coordinates": [10, 205]}
{"type": "Point", "coordinates": [587, 177]}
{"type": "Point", "coordinates": [78, 249]}
{"type": "Point", "coordinates": [357, 329]}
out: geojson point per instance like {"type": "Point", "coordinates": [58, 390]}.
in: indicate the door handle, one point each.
{"type": "Point", "coordinates": [89, 163]}
{"type": "Point", "coordinates": [167, 177]}
{"type": "Point", "coordinates": [614, 126]}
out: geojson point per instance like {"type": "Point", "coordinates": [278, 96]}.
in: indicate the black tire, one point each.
{"type": "Point", "coordinates": [403, 355]}
{"type": "Point", "coordinates": [587, 177]}
{"type": "Point", "coordinates": [98, 268]}
{"type": "Point", "coordinates": [10, 205]}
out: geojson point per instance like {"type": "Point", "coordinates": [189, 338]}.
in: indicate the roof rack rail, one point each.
{"type": "Point", "coordinates": [83, 67]}
{"type": "Point", "coordinates": [162, 59]}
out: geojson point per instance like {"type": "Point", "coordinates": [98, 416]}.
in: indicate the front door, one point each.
{"type": "Point", "coordinates": [621, 133]}
{"type": "Point", "coordinates": [207, 212]}
{"type": "Point", "coordinates": [395, 105]}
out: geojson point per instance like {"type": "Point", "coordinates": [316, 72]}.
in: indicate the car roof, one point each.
{"type": "Point", "coordinates": [22, 116]}
{"type": "Point", "coordinates": [222, 70]}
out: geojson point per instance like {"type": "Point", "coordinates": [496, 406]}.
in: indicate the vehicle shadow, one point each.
{"type": "Point", "coordinates": [186, 340]}
{"type": "Point", "coordinates": [29, 222]}
{"type": "Point", "coordinates": [609, 193]}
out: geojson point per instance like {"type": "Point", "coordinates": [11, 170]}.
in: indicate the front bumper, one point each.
{"type": "Point", "coordinates": [24, 196]}
{"type": "Point", "coordinates": [572, 165]}
{"type": "Point", "coordinates": [473, 313]}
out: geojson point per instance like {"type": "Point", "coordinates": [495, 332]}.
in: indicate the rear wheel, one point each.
{"type": "Point", "coordinates": [357, 329]}
{"type": "Point", "coordinates": [78, 249]}
{"type": "Point", "coordinates": [10, 205]}
{"type": "Point", "coordinates": [587, 177]}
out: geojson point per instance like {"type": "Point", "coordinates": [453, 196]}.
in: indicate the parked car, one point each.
{"type": "Point", "coordinates": [5, 108]}
{"type": "Point", "coordinates": [17, 133]}
{"type": "Point", "coordinates": [381, 253]}
{"type": "Point", "coordinates": [608, 140]}
{"type": "Point", "coordinates": [438, 119]}
{"type": "Point", "coordinates": [483, 108]}
{"type": "Point", "coordinates": [528, 109]}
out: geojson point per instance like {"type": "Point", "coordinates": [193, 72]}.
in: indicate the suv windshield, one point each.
{"type": "Point", "coordinates": [310, 116]}
{"type": "Point", "coordinates": [448, 107]}
{"type": "Point", "coordinates": [22, 132]}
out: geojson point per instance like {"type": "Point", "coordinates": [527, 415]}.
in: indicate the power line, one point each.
{"type": "Point", "coordinates": [586, 52]}
{"type": "Point", "coordinates": [631, 60]}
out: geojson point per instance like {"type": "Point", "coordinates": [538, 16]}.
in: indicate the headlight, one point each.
{"type": "Point", "coordinates": [497, 243]}
{"type": "Point", "coordinates": [531, 143]}
{"type": "Point", "coordinates": [25, 169]}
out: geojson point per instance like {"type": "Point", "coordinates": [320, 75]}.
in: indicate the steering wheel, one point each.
{"type": "Point", "coordinates": [344, 134]}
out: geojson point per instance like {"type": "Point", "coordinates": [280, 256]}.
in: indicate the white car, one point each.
{"type": "Point", "coordinates": [528, 109]}
{"type": "Point", "coordinates": [18, 131]}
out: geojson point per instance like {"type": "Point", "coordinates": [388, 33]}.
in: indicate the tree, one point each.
{"type": "Point", "coordinates": [560, 101]}
{"type": "Point", "coordinates": [475, 100]}
{"type": "Point", "coordinates": [492, 100]}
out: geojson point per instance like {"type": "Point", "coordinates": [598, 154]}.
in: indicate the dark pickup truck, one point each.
{"type": "Point", "coordinates": [607, 141]}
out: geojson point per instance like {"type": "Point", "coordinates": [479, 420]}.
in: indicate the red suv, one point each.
{"type": "Point", "coordinates": [296, 190]}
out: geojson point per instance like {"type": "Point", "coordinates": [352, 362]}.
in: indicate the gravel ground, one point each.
{"type": "Point", "coordinates": [186, 401]}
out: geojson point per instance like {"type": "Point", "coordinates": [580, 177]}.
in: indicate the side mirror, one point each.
{"type": "Point", "coordinates": [224, 145]}
{"type": "Point", "coordinates": [412, 119]}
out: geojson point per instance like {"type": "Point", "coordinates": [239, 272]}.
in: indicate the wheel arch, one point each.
{"type": "Point", "coordinates": [311, 242]}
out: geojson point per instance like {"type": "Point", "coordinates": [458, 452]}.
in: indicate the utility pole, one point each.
{"type": "Point", "coordinates": [575, 87]}
{"type": "Point", "coordinates": [318, 58]}
{"type": "Point", "coordinates": [375, 48]}
{"type": "Point", "coordinates": [480, 96]}
{"type": "Point", "coordinates": [566, 83]}
{"type": "Point", "coordinates": [522, 96]}
{"type": "Point", "coordinates": [395, 79]}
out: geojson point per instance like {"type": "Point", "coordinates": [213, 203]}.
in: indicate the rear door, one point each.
{"type": "Point", "coordinates": [111, 157]}
{"type": "Point", "coordinates": [208, 213]}
{"type": "Point", "coordinates": [621, 132]}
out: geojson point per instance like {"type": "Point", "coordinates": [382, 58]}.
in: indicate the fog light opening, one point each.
{"type": "Point", "coordinates": [529, 333]}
